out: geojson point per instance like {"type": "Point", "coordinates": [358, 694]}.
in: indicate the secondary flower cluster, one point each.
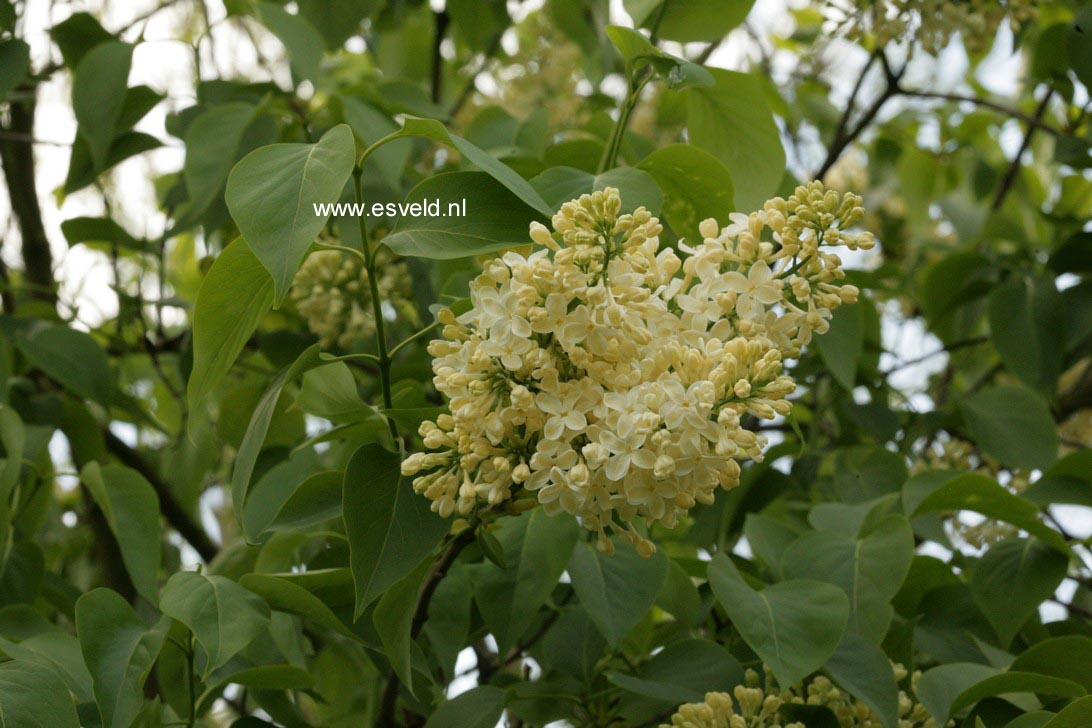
{"type": "Point", "coordinates": [758, 707]}
{"type": "Point", "coordinates": [331, 292]}
{"type": "Point", "coordinates": [608, 378]}
{"type": "Point", "coordinates": [932, 23]}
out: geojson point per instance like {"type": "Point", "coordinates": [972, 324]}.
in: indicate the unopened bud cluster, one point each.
{"type": "Point", "coordinates": [932, 23]}
{"type": "Point", "coordinates": [331, 292]}
{"type": "Point", "coordinates": [758, 706]}
{"type": "Point", "coordinates": [607, 378]}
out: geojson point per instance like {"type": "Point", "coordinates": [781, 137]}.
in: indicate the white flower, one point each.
{"type": "Point", "coordinates": [757, 289]}
{"type": "Point", "coordinates": [607, 379]}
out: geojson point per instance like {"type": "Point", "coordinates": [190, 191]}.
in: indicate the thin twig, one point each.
{"type": "Point", "coordinates": [986, 104]}
{"type": "Point", "coordinates": [1014, 168]}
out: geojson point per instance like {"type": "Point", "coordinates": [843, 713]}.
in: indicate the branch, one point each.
{"type": "Point", "coordinates": [172, 510]}
{"type": "Point", "coordinates": [455, 547]}
{"type": "Point", "coordinates": [17, 158]}
{"type": "Point", "coordinates": [437, 82]}
{"type": "Point", "coordinates": [1014, 168]}
{"type": "Point", "coordinates": [846, 136]}
{"type": "Point", "coordinates": [1028, 119]}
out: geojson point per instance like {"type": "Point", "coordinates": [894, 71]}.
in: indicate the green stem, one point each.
{"type": "Point", "coordinates": [190, 688]}
{"type": "Point", "coordinates": [614, 145]}
{"type": "Point", "coordinates": [414, 337]}
{"type": "Point", "coordinates": [377, 303]}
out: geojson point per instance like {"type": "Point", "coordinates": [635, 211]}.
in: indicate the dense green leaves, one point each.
{"type": "Point", "coordinates": [684, 672]}
{"type": "Point", "coordinates": [732, 122]}
{"type": "Point", "coordinates": [1013, 424]}
{"type": "Point", "coordinates": [212, 142]}
{"type": "Point", "coordinates": [868, 567]}
{"type": "Point", "coordinates": [460, 214]}
{"type": "Point", "coordinates": [223, 616]}
{"type": "Point", "coordinates": [794, 626]}
{"type": "Point", "coordinates": [616, 589]}
{"type": "Point", "coordinates": [981, 494]}
{"type": "Point", "coordinates": [477, 708]}
{"type": "Point", "coordinates": [390, 528]}
{"type": "Point", "coordinates": [32, 696]}
{"type": "Point", "coordinates": [1012, 579]}
{"type": "Point", "coordinates": [131, 509]}
{"type": "Point", "coordinates": [696, 186]}
{"type": "Point", "coordinates": [236, 293]}
{"type": "Point", "coordinates": [272, 192]}
{"type": "Point", "coordinates": [71, 357]}
{"type": "Point", "coordinates": [119, 650]}
{"type": "Point", "coordinates": [98, 96]}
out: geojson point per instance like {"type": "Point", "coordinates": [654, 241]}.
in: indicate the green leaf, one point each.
{"type": "Point", "coordinates": [638, 51]}
{"type": "Point", "coordinates": [390, 528]}
{"type": "Point", "coordinates": [272, 677]}
{"type": "Point", "coordinates": [316, 500]}
{"type": "Point", "coordinates": [14, 64]}
{"type": "Point", "coordinates": [78, 230]}
{"type": "Point", "coordinates": [1077, 714]}
{"type": "Point", "coordinates": [696, 186]}
{"type": "Point", "coordinates": [939, 687]}
{"type": "Point", "coordinates": [76, 35]}
{"type": "Point", "coordinates": [558, 185]}
{"type": "Point", "coordinates": [223, 616]}
{"type": "Point", "coordinates": [131, 508]}
{"type": "Point", "coordinates": [13, 436]}
{"type": "Point", "coordinates": [32, 696]}
{"type": "Point", "coordinates": [1016, 682]}
{"type": "Point", "coordinates": [794, 626]}
{"type": "Point", "coordinates": [488, 218]}
{"type": "Point", "coordinates": [982, 494]}
{"type": "Point", "coordinates": [1068, 656]}
{"type": "Point", "coordinates": [1079, 45]}
{"type": "Point", "coordinates": [434, 130]}
{"type": "Point", "coordinates": [269, 495]}
{"type": "Point", "coordinates": [60, 652]}
{"type": "Point", "coordinates": [370, 125]}
{"type": "Point", "coordinates": [683, 673]}
{"type": "Point", "coordinates": [732, 122]}
{"type": "Point", "coordinates": [81, 169]}
{"type": "Point", "coordinates": [393, 620]}
{"type": "Point", "coordinates": [337, 20]}
{"type": "Point", "coordinates": [1012, 579]}
{"type": "Point", "coordinates": [692, 20]}
{"type": "Point", "coordinates": [869, 569]}
{"type": "Point", "coordinates": [480, 707]}
{"type": "Point", "coordinates": [285, 596]}
{"type": "Point", "coordinates": [235, 294]}
{"type": "Point", "coordinates": [119, 650]}
{"type": "Point", "coordinates": [271, 193]}
{"type": "Point", "coordinates": [617, 589]}
{"type": "Point", "coordinates": [1030, 347]}
{"type": "Point", "coordinates": [212, 144]}
{"type": "Point", "coordinates": [330, 391]}
{"type": "Point", "coordinates": [247, 456]}
{"type": "Point", "coordinates": [303, 43]}
{"type": "Point", "coordinates": [536, 548]}
{"type": "Point", "coordinates": [768, 538]}
{"type": "Point", "coordinates": [98, 96]}
{"type": "Point", "coordinates": [1013, 424]}
{"type": "Point", "coordinates": [865, 671]}
{"type": "Point", "coordinates": [843, 344]}
{"type": "Point", "coordinates": [72, 358]}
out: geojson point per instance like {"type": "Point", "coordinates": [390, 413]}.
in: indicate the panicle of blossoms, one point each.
{"type": "Point", "coordinates": [932, 23]}
{"type": "Point", "coordinates": [331, 292]}
{"type": "Point", "coordinates": [757, 705]}
{"type": "Point", "coordinates": [605, 378]}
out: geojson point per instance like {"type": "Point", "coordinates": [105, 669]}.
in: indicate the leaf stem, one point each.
{"type": "Point", "coordinates": [190, 688]}
{"type": "Point", "coordinates": [614, 145]}
{"type": "Point", "coordinates": [412, 338]}
{"type": "Point", "coordinates": [384, 361]}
